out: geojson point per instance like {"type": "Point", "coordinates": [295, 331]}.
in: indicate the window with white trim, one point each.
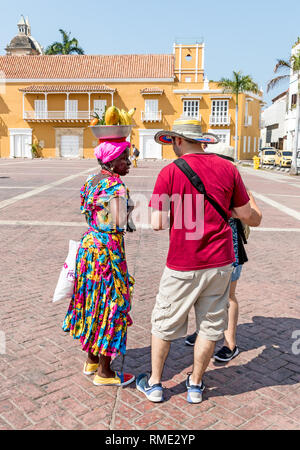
{"type": "Point", "coordinates": [191, 108]}
{"type": "Point", "coordinates": [223, 135]}
{"type": "Point", "coordinates": [219, 108]}
{"type": "Point", "coordinates": [151, 109]}
{"type": "Point", "coordinates": [40, 108]}
{"type": "Point", "coordinates": [249, 144]}
{"type": "Point", "coordinates": [71, 109]}
{"type": "Point", "coordinates": [245, 144]}
{"type": "Point", "coordinates": [99, 107]}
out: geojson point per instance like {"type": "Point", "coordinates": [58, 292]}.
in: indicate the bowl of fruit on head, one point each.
{"type": "Point", "coordinates": [115, 123]}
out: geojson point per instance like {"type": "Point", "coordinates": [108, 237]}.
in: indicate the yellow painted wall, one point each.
{"type": "Point", "coordinates": [127, 96]}
{"type": "Point", "coordinates": [251, 131]}
{"type": "Point", "coordinates": [188, 58]}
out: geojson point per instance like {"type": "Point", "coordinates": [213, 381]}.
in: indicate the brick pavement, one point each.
{"type": "Point", "coordinates": [42, 385]}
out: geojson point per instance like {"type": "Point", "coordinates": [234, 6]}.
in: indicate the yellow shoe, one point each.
{"type": "Point", "coordinates": [89, 369]}
{"type": "Point", "coordinates": [121, 379]}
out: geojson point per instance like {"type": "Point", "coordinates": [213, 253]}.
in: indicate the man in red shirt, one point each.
{"type": "Point", "coordinates": [199, 262]}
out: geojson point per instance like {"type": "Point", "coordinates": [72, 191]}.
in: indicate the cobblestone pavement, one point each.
{"type": "Point", "coordinates": [42, 385]}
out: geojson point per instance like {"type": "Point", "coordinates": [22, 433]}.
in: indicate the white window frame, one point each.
{"type": "Point", "coordinates": [72, 136]}
{"type": "Point", "coordinates": [219, 108]}
{"type": "Point", "coordinates": [147, 132]}
{"type": "Point", "coordinates": [25, 133]}
{"type": "Point", "coordinates": [151, 112]}
{"type": "Point", "coordinates": [151, 109]}
{"type": "Point", "coordinates": [245, 144]}
{"type": "Point", "coordinates": [40, 109]}
{"type": "Point", "coordinates": [71, 113]}
{"type": "Point", "coordinates": [249, 144]}
{"type": "Point", "coordinates": [99, 107]}
{"type": "Point", "coordinates": [221, 132]}
{"type": "Point", "coordinates": [191, 108]}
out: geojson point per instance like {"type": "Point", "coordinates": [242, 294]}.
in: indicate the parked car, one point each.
{"type": "Point", "coordinates": [283, 158]}
{"type": "Point", "coordinates": [267, 155]}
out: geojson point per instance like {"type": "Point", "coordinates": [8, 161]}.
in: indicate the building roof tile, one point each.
{"type": "Point", "coordinates": [68, 88]}
{"type": "Point", "coordinates": [152, 90]}
{"type": "Point", "coordinates": [83, 67]}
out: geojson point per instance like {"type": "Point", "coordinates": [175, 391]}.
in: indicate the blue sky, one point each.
{"type": "Point", "coordinates": [246, 36]}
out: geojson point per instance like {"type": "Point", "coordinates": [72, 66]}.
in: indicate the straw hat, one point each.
{"type": "Point", "coordinates": [188, 129]}
{"type": "Point", "coordinates": [225, 151]}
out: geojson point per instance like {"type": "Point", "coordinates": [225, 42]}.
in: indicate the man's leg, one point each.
{"type": "Point", "coordinates": [211, 317]}
{"type": "Point", "coordinates": [159, 353]}
{"type": "Point", "coordinates": [233, 314]}
{"type": "Point", "coordinates": [203, 351]}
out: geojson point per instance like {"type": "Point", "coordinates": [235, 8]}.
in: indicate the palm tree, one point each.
{"type": "Point", "coordinates": [66, 47]}
{"type": "Point", "coordinates": [239, 84]}
{"type": "Point", "coordinates": [293, 65]}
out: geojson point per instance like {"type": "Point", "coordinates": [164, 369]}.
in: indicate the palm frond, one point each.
{"type": "Point", "coordinates": [54, 49]}
{"type": "Point", "coordinates": [239, 83]}
{"type": "Point", "coordinates": [275, 81]}
{"type": "Point", "coordinates": [77, 50]}
{"type": "Point", "coordinates": [66, 47]}
{"type": "Point", "coordinates": [227, 85]}
{"type": "Point", "coordinates": [73, 42]}
{"type": "Point", "coordinates": [282, 64]}
{"type": "Point", "coordinates": [65, 36]}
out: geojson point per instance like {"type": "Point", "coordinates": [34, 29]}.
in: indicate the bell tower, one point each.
{"type": "Point", "coordinates": [23, 43]}
{"type": "Point", "coordinates": [23, 26]}
{"type": "Point", "coordinates": [189, 62]}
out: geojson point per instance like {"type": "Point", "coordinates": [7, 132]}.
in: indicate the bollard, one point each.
{"type": "Point", "coordinates": [256, 161]}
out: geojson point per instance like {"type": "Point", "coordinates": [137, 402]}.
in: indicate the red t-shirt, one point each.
{"type": "Point", "coordinates": [199, 237]}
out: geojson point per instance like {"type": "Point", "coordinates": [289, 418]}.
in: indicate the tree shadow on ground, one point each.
{"type": "Point", "coordinates": [277, 364]}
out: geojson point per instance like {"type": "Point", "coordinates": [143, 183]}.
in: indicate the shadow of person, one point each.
{"type": "Point", "coordinates": [270, 353]}
{"type": "Point", "coordinates": [270, 349]}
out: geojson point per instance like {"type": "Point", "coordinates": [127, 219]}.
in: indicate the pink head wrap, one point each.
{"type": "Point", "coordinates": [109, 150]}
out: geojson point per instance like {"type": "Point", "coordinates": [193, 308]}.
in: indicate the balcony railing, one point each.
{"type": "Point", "coordinates": [191, 116]}
{"type": "Point", "coordinates": [219, 120]}
{"type": "Point", "coordinates": [151, 116]}
{"type": "Point", "coordinates": [248, 121]}
{"type": "Point", "coordinates": [58, 115]}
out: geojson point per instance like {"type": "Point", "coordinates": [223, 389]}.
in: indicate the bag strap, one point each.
{"type": "Point", "coordinates": [198, 184]}
{"type": "Point", "coordinates": [240, 230]}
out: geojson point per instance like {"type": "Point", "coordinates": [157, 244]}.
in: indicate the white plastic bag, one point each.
{"type": "Point", "coordinates": [65, 284]}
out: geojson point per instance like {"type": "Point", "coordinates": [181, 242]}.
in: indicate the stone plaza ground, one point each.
{"type": "Point", "coordinates": [42, 385]}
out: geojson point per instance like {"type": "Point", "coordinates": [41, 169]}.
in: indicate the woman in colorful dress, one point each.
{"type": "Point", "coordinates": [98, 313]}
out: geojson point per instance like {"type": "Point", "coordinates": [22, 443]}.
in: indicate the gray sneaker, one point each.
{"type": "Point", "coordinates": [194, 391]}
{"type": "Point", "coordinates": [153, 393]}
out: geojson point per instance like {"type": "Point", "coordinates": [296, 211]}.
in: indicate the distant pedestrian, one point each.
{"type": "Point", "coordinates": [135, 155]}
{"type": "Point", "coordinates": [98, 314]}
{"type": "Point", "coordinates": [230, 350]}
{"type": "Point", "coordinates": [199, 263]}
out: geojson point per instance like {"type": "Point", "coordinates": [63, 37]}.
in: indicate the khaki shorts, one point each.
{"type": "Point", "coordinates": [207, 290]}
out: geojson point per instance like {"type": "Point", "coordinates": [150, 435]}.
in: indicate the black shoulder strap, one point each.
{"type": "Point", "coordinates": [198, 184]}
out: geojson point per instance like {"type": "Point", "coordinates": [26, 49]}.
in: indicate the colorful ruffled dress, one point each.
{"type": "Point", "coordinates": [98, 313]}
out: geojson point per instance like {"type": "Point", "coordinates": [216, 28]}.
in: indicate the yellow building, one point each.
{"type": "Point", "coordinates": [49, 101]}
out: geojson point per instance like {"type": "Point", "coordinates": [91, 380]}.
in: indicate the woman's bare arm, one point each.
{"type": "Point", "coordinates": [118, 212]}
